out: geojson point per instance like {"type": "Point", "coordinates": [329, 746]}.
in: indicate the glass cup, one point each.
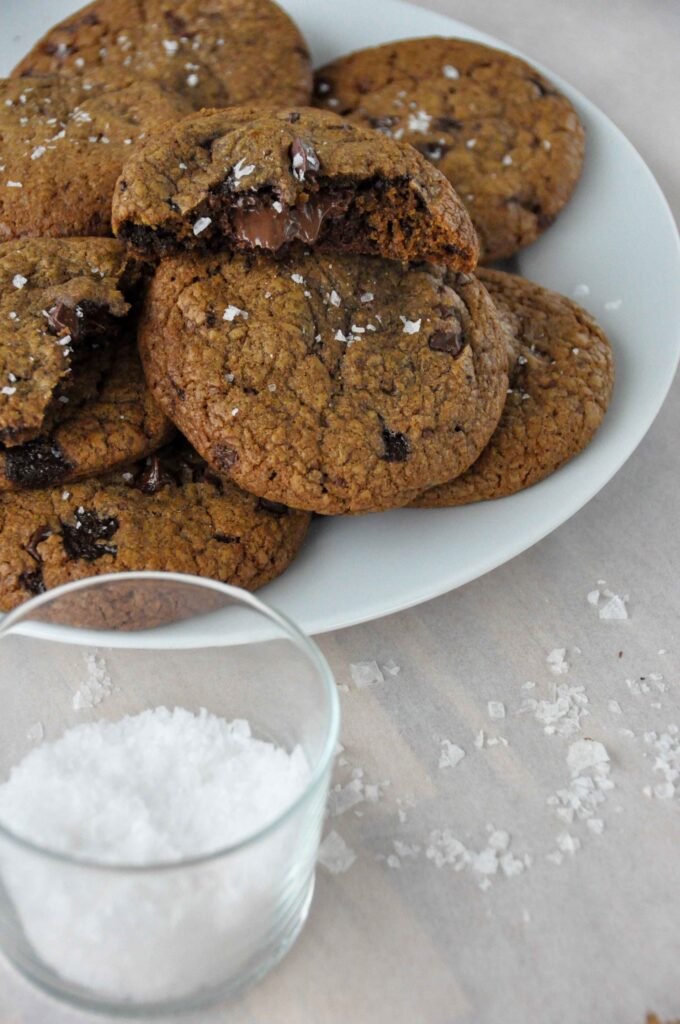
{"type": "Point", "coordinates": [169, 936]}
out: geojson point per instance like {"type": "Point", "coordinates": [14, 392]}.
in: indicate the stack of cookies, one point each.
{"type": "Point", "coordinates": [227, 304]}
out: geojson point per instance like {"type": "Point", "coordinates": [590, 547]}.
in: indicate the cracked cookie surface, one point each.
{"type": "Point", "coordinates": [509, 142]}
{"type": "Point", "coordinates": [217, 53]}
{"type": "Point", "coordinates": [333, 384]}
{"type": "Point", "coordinates": [63, 145]}
{"type": "Point", "coordinates": [61, 304]}
{"type": "Point", "coordinates": [168, 513]}
{"type": "Point", "coordinates": [561, 379]}
{"type": "Point", "coordinates": [247, 178]}
{"type": "Point", "coordinates": [120, 424]}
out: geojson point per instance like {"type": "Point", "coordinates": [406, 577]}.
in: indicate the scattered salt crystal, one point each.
{"type": "Point", "coordinates": [201, 224]}
{"type": "Point", "coordinates": [614, 608]}
{"type": "Point", "coordinates": [14, 184]}
{"type": "Point", "coordinates": [297, 278]}
{"type": "Point", "coordinates": [419, 121]}
{"type": "Point", "coordinates": [471, 143]}
{"type": "Point", "coordinates": [593, 597]}
{"type": "Point", "coordinates": [410, 326]}
{"type": "Point", "coordinates": [335, 855]}
{"type": "Point", "coordinates": [450, 72]}
{"type": "Point", "coordinates": [557, 662]}
{"type": "Point", "coordinates": [231, 312]}
{"type": "Point", "coordinates": [580, 290]}
{"type": "Point", "coordinates": [367, 297]}
{"type": "Point", "coordinates": [96, 687]}
{"type": "Point", "coordinates": [450, 754]}
{"type": "Point", "coordinates": [334, 298]}
{"type": "Point", "coordinates": [192, 80]}
{"type": "Point", "coordinates": [585, 754]}
{"type": "Point", "coordinates": [391, 668]}
{"type": "Point", "coordinates": [38, 152]}
{"type": "Point", "coordinates": [496, 709]}
{"type": "Point", "coordinates": [241, 169]}
{"type": "Point", "coordinates": [479, 739]}
{"type": "Point", "coordinates": [7, 390]}
{"type": "Point", "coordinates": [171, 46]}
{"type": "Point", "coordinates": [568, 843]}
{"type": "Point", "coordinates": [614, 707]}
{"type": "Point", "coordinates": [507, 160]}
{"type": "Point", "coordinates": [364, 673]}
{"type": "Point", "coordinates": [35, 732]}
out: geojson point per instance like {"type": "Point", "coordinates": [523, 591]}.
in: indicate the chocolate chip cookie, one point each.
{"type": "Point", "coordinates": [63, 145]}
{"type": "Point", "coordinates": [61, 306]}
{"type": "Point", "coordinates": [168, 514]}
{"type": "Point", "coordinates": [560, 385]}
{"type": "Point", "coordinates": [510, 143]}
{"type": "Point", "coordinates": [216, 53]}
{"type": "Point", "coordinates": [121, 424]}
{"type": "Point", "coordinates": [333, 384]}
{"type": "Point", "coordinates": [249, 179]}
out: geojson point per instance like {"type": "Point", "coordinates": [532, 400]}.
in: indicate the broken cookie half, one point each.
{"type": "Point", "coordinates": [251, 178]}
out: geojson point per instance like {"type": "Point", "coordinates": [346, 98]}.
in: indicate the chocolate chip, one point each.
{"type": "Point", "coordinates": [152, 478]}
{"type": "Point", "coordinates": [37, 537]}
{"type": "Point", "coordinates": [446, 124]}
{"type": "Point", "coordinates": [294, 117]}
{"type": "Point", "coordinates": [33, 581]}
{"type": "Point", "coordinates": [432, 150]}
{"type": "Point", "coordinates": [80, 540]}
{"type": "Point", "coordinates": [36, 464]}
{"type": "Point", "coordinates": [397, 447]}
{"type": "Point", "coordinates": [303, 158]}
{"type": "Point", "coordinates": [273, 508]}
{"type": "Point", "coordinates": [543, 90]}
{"type": "Point", "coordinates": [383, 124]}
{"type": "Point", "coordinates": [226, 538]}
{"type": "Point", "coordinates": [176, 24]}
{"type": "Point", "coordinates": [89, 320]}
{"type": "Point", "coordinates": [224, 455]}
{"type": "Point", "coordinates": [449, 340]}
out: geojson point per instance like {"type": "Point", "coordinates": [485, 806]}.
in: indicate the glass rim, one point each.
{"type": "Point", "coordinates": [303, 642]}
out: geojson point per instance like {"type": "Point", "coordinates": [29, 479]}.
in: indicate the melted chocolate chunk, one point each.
{"type": "Point", "coordinates": [303, 159]}
{"type": "Point", "coordinates": [273, 508]}
{"type": "Point", "coordinates": [450, 340]}
{"type": "Point", "coordinates": [85, 320]}
{"type": "Point", "coordinates": [80, 540]}
{"type": "Point", "coordinates": [224, 455]}
{"type": "Point", "coordinates": [36, 464]}
{"type": "Point", "coordinates": [397, 447]}
{"type": "Point", "coordinates": [33, 581]}
{"type": "Point", "coordinates": [37, 537]}
{"type": "Point", "coordinates": [271, 227]}
{"type": "Point", "coordinates": [153, 477]}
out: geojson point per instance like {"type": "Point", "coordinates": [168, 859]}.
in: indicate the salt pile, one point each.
{"type": "Point", "coordinates": [160, 786]}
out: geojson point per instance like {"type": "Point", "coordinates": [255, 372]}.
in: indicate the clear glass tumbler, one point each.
{"type": "Point", "coordinates": [170, 936]}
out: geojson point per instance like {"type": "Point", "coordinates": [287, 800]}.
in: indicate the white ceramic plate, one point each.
{"type": "Point", "coordinates": [617, 236]}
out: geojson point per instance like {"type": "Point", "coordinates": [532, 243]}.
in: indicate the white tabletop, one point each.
{"type": "Point", "coordinates": [597, 936]}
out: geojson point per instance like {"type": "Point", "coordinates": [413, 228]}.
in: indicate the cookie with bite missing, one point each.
{"type": "Point", "coordinates": [169, 513]}
{"type": "Point", "coordinates": [214, 53]}
{"type": "Point", "coordinates": [62, 305]}
{"type": "Point", "coordinates": [329, 383]}
{"type": "Point", "coordinates": [507, 139]}
{"type": "Point", "coordinates": [561, 379]}
{"type": "Point", "coordinates": [64, 142]}
{"type": "Point", "coordinates": [249, 179]}
{"type": "Point", "coordinates": [122, 423]}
